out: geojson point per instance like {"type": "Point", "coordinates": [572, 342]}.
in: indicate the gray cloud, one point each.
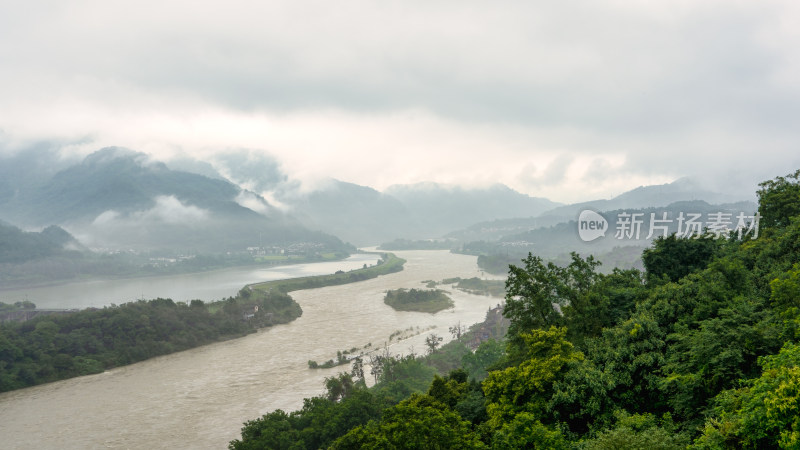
{"type": "Point", "coordinates": [257, 171]}
{"type": "Point", "coordinates": [703, 88]}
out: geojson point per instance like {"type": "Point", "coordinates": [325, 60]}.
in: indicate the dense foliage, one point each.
{"type": "Point", "coordinates": [705, 355]}
{"type": "Point", "coordinates": [58, 346]}
{"type": "Point", "coordinates": [54, 347]}
{"type": "Point", "coordinates": [409, 406]}
{"type": "Point", "coordinates": [422, 300]}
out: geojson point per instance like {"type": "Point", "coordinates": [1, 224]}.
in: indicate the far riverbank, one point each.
{"type": "Point", "coordinates": [206, 286]}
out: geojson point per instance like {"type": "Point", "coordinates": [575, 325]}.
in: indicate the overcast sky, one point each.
{"type": "Point", "coordinates": [570, 100]}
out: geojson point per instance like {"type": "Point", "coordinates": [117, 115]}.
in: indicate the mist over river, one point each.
{"type": "Point", "coordinates": [201, 397]}
{"type": "Point", "coordinates": [207, 286]}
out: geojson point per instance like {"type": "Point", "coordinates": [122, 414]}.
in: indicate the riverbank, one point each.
{"type": "Point", "coordinates": [207, 286]}
{"type": "Point", "coordinates": [199, 398]}
{"type": "Point", "coordinates": [389, 263]}
{"type": "Point", "coordinates": [145, 271]}
{"type": "Point", "coordinates": [51, 348]}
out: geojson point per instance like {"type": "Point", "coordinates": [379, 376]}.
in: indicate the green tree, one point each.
{"type": "Point", "coordinates": [763, 414]}
{"type": "Point", "coordinates": [526, 431]}
{"type": "Point", "coordinates": [632, 355]}
{"type": "Point", "coordinates": [339, 387]}
{"type": "Point", "coordinates": [273, 430]}
{"type": "Point", "coordinates": [450, 389]}
{"type": "Point", "coordinates": [486, 355]}
{"type": "Point", "coordinates": [673, 258]}
{"type": "Point", "coordinates": [419, 422]}
{"type": "Point", "coordinates": [779, 200]}
{"type": "Point", "coordinates": [608, 300]}
{"type": "Point", "coordinates": [531, 292]}
{"type": "Point", "coordinates": [638, 431]}
{"type": "Point", "coordinates": [528, 386]}
{"type": "Point", "coordinates": [703, 361]}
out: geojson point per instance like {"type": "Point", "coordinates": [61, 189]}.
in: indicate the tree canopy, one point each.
{"type": "Point", "coordinates": [699, 351]}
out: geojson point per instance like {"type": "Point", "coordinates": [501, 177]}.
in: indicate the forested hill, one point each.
{"type": "Point", "coordinates": [17, 246]}
{"type": "Point", "coordinates": [701, 350]}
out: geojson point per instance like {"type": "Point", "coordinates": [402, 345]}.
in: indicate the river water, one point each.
{"type": "Point", "coordinates": [201, 397]}
{"type": "Point", "coordinates": [206, 286]}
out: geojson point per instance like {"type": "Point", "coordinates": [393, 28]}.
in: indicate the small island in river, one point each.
{"type": "Point", "coordinates": [41, 346]}
{"type": "Point", "coordinates": [420, 300]}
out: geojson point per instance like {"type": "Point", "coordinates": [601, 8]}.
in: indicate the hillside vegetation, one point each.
{"type": "Point", "coordinates": [700, 350]}
{"type": "Point", "coordinates": [54, 347]}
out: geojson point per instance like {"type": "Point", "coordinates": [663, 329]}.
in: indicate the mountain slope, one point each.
{"type": "Point", "coordinates": [441, 209]}
{"type": "Point", "coordinates": [119, 198]}
{"type": "Point", "coordinates": [558, 240]}
{"type": "Point", "coordinates": [354, 213]}
{"type": "Point", "coordinates": [17, 246]}
{"type": "Point", "coordinates": [364, 216]}
{"type": "Point", "coordinates": [683, 189]}
{"type": "Point", "coordinates": [120, 180]}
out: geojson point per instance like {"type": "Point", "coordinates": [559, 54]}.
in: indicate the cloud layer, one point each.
{"type": "Point", "coordinates": [569, 100]}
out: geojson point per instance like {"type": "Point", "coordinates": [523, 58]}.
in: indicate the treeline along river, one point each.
{"type": "Point", "coordinates": [206, 286]}
{"type": "Point", "coordinates": [200, 398]}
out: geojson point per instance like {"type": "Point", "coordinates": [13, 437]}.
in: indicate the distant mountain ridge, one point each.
{"type": "Point", "coordinates": [355, 213]}
{"type": "Point", "coordinates": [124, 181]}
{"type": "Point", "coordinates": [118, 197]}
{"type": "Point", "coordinates": [122, 197]}
{"type": "Point", "coordinates": [682, 189]}
{"type": "Point", "coordinates": [365, 216]}
{"type": "Point", "coordinates": [444, 208]}
{"type": "Point", "coordinates": [621, 244]}
{"type": "Point", "coordinates": [642, 197]}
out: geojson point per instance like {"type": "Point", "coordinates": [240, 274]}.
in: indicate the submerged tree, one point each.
{"type": "Point", "coordinates": [432, 342]}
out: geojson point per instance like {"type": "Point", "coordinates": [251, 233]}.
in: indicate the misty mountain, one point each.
{"type": "Point", "coordinates": [356, 214]}
{"type": "Point", "coordinates": [17, 246]}
{"type": "Point", "coordinates": [123, 181]}
{"type": "Point", "coordinates": [495, 229]}
{"type": "Point", "coordinates": [682, 189]}
{"type": "Point", "coordinates": [28, 169]}
{"type": "Point", "coordinates": [440, 209]}
{"type": "Point", "coordinates": [364, 216]}
{"type": "Point", "coordinates": [555, 242]}
{"type": "Point", "coordinates": [120, 198]}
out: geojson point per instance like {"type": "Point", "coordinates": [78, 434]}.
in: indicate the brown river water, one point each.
{"type": "Point", "coordinates": [200, 398]}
